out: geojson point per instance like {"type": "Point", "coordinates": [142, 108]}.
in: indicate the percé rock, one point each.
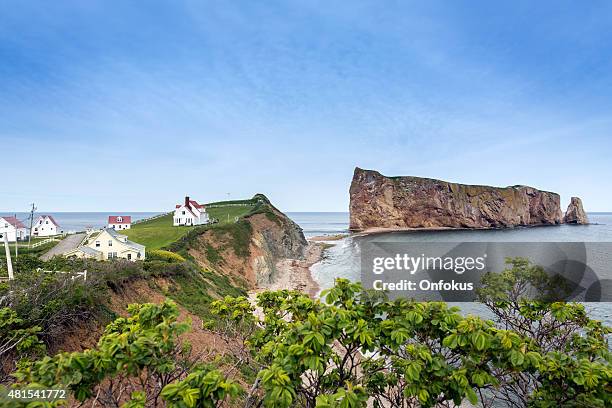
{"type": "Point", "coordinates": [377, 201]}
{"type": "Point", "coordinates": [575, 212]}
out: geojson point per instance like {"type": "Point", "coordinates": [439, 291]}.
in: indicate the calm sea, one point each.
{"type": "Point", "coordinates": [79, 221]}
{"type": "Point", "coordinates": [343, 259]}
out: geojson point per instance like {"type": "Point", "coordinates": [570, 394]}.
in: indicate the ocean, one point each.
{"type": "Point", "coordinates": [78, 221]}
{"type": "Point", "coordinates": [343, 259]}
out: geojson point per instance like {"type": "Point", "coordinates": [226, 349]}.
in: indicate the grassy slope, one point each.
{"type": "Point", "coordinates": [160, 232]}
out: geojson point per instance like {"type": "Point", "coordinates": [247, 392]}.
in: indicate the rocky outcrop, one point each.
{"type": "Point", "coordinates": [377, 201]}
{"type": "Point", "coordinates": [249, 250]}
{"type": "Point", "coordinates": [575, 212]}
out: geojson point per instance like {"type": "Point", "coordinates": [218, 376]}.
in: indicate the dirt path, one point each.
{"type": "Point", "coordinates": [67, 244]}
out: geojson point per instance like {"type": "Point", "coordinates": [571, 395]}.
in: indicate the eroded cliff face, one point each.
{"type": "Point", "coordinates": [575, 213]}
{"type": "Point", "coordinates": [377, 201]}
{"type": "Point", "coordinates": [249, 250]}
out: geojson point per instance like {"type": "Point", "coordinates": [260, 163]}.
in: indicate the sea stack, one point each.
{"type": "Point", "coordinates": [380, 202]}
{"type": "Point", "coordinates": [575, 212]}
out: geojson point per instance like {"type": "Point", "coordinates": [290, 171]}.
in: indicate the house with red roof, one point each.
{"type": "Point", "coordinates": [46, 226]}
{"type": "Point", "coordinates": [12, 229]}
{"type": "Point", "coordinates": [189, 213]}
{"type": "Point", "coordinates": [119, 222]}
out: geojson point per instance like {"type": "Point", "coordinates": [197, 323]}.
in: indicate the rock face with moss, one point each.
{"type": "Point", "coordinates": [575, 213]}
{"type": "Point", "coordinates": [248, 250]}
{"type": "Point", "coordinates": [377, 201]}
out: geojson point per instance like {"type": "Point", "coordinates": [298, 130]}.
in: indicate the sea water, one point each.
{"type": "Point", "coordinates": [343, 259]}
{"type": "Point", "coordinates": [80, 221]}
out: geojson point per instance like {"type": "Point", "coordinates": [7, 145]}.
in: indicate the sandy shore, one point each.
{"type": "Point", "coordinates": [335, 237]}
{"type": "Point", "coordinates": [294, 274]}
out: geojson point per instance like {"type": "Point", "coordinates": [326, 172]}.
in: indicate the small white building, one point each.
{"type": "Point", "coordinates": [46, 226]}
{"type": "Point", "coordinates": [108, 245]}
{"type": "Point", "coordinates": [13, 229]}
{"type": "Point", "coordinates": [119, 222]}
{"type": "Point", "coordinates": [190, 213]}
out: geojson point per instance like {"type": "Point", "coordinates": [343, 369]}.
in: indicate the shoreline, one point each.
{"type": "Point", "coordinates": [386, 230]}
{"type": "Point", "coordinates": [295, 274]}
{"type": "Point", "coordinates": [333, 237]}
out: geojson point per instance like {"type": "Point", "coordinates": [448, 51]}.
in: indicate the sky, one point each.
{"type": "Point", "coordinates": [127, 105]}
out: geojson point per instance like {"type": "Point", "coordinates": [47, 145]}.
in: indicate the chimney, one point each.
{"type": "Point", "coordinates": [187, 201]}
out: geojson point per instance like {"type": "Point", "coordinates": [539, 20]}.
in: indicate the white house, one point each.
{"type": "Point", "coordinates": [119, 222]}
{"type": "Point", "coordinates": [109, 244]}
{"type": "Point", "coordinates": [46, 226]}
{"type": "Point", "coordinates": [190, 213]}
{"type": "Point", "coordinates": [13, 229]}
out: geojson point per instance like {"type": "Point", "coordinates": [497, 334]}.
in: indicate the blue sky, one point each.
{"type": "Point", "coordinates": [117, 106]}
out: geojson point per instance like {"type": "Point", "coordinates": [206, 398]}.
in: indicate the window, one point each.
{"type": "Point", "coordinates": [138, 255]}
{"type": "Point", "coordinates": [46, 222]}
{"type": "Point", "coordinates": [129, 257]}
{"type": "Point", "coordinates": [183, 212]}
{"type": "Point", "coordinates": [110, 255]}
{"type": "Point", "coordinates": [119, 219]}
{"type": "Point", "coordinates": [110, 242]}
{"type": "Point", "coordinates": [97, 244]}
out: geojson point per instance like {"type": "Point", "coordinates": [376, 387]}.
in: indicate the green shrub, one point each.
{"type": "Point", "coordinates": [161, 255]}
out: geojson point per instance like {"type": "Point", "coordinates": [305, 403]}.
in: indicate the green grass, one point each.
{"type": "Point", "coordinates": [228, 213]}
{"type": "Point", "coordinates": [159, 232]}
{"type": "Point", "coordinates": [23, 248]}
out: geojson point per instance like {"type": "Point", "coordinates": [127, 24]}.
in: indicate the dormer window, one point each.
{"type": "Point", "coordinates": [119, 219]}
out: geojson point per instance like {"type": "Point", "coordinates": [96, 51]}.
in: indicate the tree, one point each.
{"type": "Point", "coordinates": [350, 348]}
{"type": "Point", "coordinates": [574, 348]}
{"type": "Point", "coordinates": [403, 353]}
{"type": "Point", "coordinates": [138, 356]}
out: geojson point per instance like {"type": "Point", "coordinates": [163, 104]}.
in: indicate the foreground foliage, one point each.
{"type": "Point", "coordinates": [349, 349]}
{"type": "Point", "coordinates": [138, 356]}
{"type": "Point", "coordinates": [357, 346]}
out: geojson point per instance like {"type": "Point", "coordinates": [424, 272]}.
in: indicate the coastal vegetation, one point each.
{"type": "Point", "coordinates": [343, 350]}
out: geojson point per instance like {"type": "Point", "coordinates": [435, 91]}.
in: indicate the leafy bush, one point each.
{"type": "Point", "coordinates": [138, 355]}
{"type": "Point", "coordinates": [356, 346]}
{"type": "Point", "coordinates": [349, 349]}
{"type": "Point", "coordinates": [161, 255]}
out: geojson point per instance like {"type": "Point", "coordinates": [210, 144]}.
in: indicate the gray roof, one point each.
{"type": "Point", "coordinates": [88, 250]}
{"type": "Point", "coordinates": [135, 245]}
{"type": "Point", "coordinates": [129, 243]}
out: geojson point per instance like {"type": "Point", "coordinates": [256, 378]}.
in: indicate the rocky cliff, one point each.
{"type": "Point", "coordinates": [575, 213]}
{"type": "Point", "coordinates": [377, 201]}
{"type": "Point", "coordinates": [250, 249]}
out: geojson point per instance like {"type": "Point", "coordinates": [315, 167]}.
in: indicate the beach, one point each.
{"type": "Point", "coordinates": [295, 274]}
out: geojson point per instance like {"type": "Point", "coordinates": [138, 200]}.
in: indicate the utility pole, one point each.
{"type": "Point", "coordinates": [31, 224]}
{"type": "Point", "coordinates": [9, 263]}
{"type": "Point", "coordinates": [16, 241]}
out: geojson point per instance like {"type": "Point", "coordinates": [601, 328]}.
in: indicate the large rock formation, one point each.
{"type": "Point", "coordinates": [575, 213]}
{"type": "Point", "coordinates": [377, 201]}
{"type": "Point", "coordinates": [250, 249]}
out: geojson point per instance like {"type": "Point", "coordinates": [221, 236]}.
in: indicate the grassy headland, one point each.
{"type": "Point", "coordinates": [159, 232]}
